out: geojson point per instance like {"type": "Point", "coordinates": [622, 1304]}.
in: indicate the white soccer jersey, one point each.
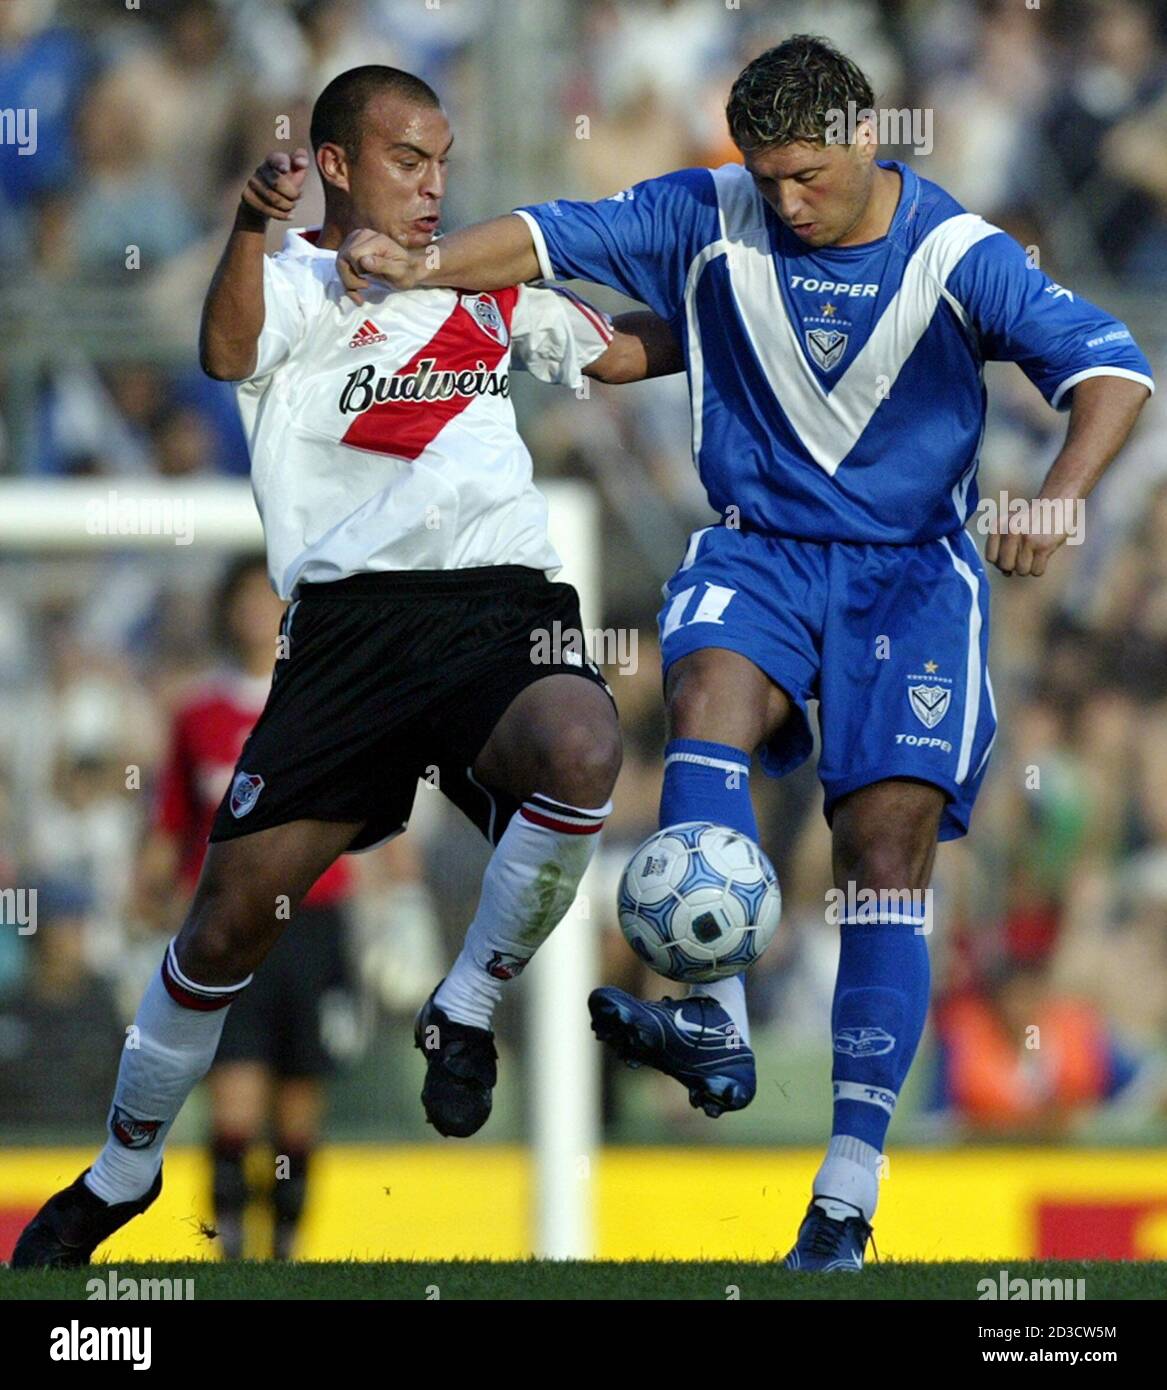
{"type": "Point", "coordinates": [382, 435]}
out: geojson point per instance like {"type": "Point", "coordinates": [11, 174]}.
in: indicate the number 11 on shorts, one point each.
{"type": "Point", "coordinates": [712, 605]}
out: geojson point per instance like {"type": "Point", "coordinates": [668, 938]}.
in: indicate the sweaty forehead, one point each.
{"type": "Point", "coordinates": [390, 119]}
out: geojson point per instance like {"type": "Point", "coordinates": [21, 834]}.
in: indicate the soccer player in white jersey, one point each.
{"type": "Point", "coordinates": [402, 523]}
{"type": "Point", "coordinates": [836, 311]}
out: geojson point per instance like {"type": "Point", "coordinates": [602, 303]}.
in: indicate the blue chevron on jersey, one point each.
{"type": "Point", "coordinates": [836, 392]}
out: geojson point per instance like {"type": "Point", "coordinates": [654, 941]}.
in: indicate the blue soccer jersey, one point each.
{"type": "Point", "coordinates": [836, 392]}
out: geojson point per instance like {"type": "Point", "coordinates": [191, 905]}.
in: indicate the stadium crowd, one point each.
{"type": "Point", "coordinates": [1050, 937]}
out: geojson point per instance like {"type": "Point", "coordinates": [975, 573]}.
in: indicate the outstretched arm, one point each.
{"type": "Point", "coordinates": [490, 256]}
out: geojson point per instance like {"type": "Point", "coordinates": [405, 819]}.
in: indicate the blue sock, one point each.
{"type": "Point", "coordinates": [707, 781]}
{"type": "Point", "coordinates": [711, 781]}
{"type": "Point", "coordinates": [877, 1019]}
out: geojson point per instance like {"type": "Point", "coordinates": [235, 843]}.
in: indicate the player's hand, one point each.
{"type": "Point", "coordinates": [365, 255]}
{"type": "Point", "coordinates": [1016, 549]}
{"type": "Point", "coordinates": [275, 187]}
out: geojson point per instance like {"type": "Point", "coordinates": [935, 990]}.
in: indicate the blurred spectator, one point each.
{"type": "Point", "coordinates": [983, 101]}
{"type": "Point", "coordinates": [131, 212]}
{"type": "Point", "coordinates": [84, 831]}
{"type": "Point", "coordinates": [183, 444]}
{"type": "Point", "coordinates": [301, 46]}
{"type": "Point", "coordinates": [1130, 618]}
{"type": "Point", "coordinates": [59, 1030]}
{"type": "Point", "coordinates": [44, 69]}
{"type": "Point", "coordinates": [174, 79]}
{"type": "Point", "coordinates": [131, 418]}
{"type": "Point", "coordinates": [1114, 71]}
{"type": "Point", "coordinates": [1015, 1059]}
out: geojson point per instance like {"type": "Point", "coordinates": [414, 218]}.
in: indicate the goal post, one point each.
{"type": "Point", "coordinates": [124, 515]}
{"type": "Point", "coordinates": [563, 1059]}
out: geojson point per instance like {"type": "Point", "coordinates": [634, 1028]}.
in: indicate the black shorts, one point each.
{"type": "Point", "coordinates": [387, 678]}
{"type": "Point", "coordinates": [280, 1018]}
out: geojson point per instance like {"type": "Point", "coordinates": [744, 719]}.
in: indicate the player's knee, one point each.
{"type": "Point", "coordinates": [691, 699]}
{"type": "Point", "coordinates": [581, 764]}
{"type": "Point", "coordinates": [224, 937]}
{"type": "Point", "coordinates": [885, 836]}
{"type": "Point", "coordinates": [709, 700]}
{"type": "Point", "coordinates": [883, 859]}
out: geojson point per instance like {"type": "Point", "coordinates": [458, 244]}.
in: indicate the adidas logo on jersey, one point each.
{"type": "Point", "coordinates": [367, 335]}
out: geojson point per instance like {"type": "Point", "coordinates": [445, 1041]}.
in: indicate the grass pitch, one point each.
{"type": "Point", "coordinates": [507, 1281]}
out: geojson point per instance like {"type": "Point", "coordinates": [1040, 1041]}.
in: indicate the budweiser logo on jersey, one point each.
{"type": "Point", "coordinates": [364, 388]}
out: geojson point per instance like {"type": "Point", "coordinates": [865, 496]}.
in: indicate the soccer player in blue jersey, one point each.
{"type": "Point", "coordinates": [835, 311]}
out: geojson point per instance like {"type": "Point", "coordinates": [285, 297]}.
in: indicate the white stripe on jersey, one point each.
{"type": "Point", "coordinates": [972, 684]}
{"type": "Point", "coordinates": [828, 425]}
{"type": "Point", "coordinates": [993, 711]}
{"type": "Point", "coordinates": [959, 493]}
{"type": "Point", "coordinates": [690, 557]}
{"type": "Point", "coordinates": [696, 355]}
{"type": "Point", "coordinates": [693, 546]}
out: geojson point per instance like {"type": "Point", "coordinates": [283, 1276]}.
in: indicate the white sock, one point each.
{"type": "Point", "coordinates": [528, 886]}
{"type": "Point", "coordinates": [176, 1033]}
{"type": "Point", "coordinates": [850, 1173]}
{"type": "Point", "coordinates": [731, 995]}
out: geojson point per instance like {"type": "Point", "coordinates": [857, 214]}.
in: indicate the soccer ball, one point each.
{"type": "Point", "coordinates": [699, 902]}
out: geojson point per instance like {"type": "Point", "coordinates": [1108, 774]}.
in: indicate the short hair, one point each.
{"type": "Point", "coordinates": [336, 117]}
{"type": "Point", "coordinates": [787, 93]}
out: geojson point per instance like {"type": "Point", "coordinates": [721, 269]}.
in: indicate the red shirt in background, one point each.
{"type": "Point", "coordinates": [210, 727]}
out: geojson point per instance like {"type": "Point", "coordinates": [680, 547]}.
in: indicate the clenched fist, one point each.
{"type": "Point", "coordinates": [1020, 548]}
{"type": "Point", "coordinates": [366, 255]}
{"type": "Point", "coordinates": [275, 187]}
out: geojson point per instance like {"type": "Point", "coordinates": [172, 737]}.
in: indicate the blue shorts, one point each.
{"type": "Point", "coordinates": [892, 640]}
